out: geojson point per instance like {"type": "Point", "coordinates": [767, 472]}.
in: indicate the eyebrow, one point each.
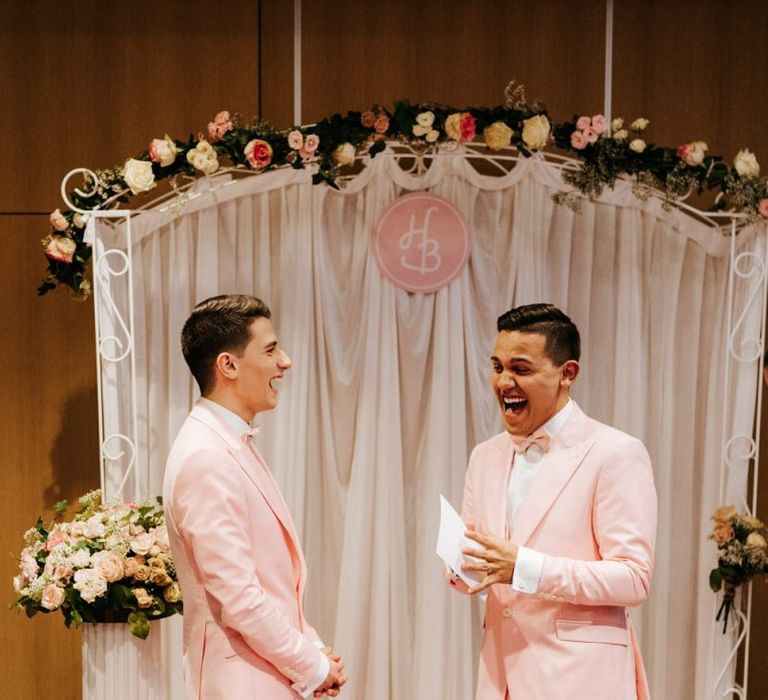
{"type": "Point", "coordinates": [271, 346]}
{"type": "Point", "coordinates": [518, 358]}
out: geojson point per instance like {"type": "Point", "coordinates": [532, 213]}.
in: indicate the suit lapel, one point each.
{"type": "Point", "coordinates": [566, 453]}
{"type": "Point", "coordinates": [498, 479]}
{"type": "Point", "coordinates": [255, 468]}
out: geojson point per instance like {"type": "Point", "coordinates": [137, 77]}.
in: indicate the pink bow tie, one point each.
{"type": "Point", "coordinates": [540, 438]}
{"type": "Point", "coordinates": [247, 436]}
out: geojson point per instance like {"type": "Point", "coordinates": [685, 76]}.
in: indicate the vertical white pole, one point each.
{"type": "Point", "coordinates": [297, 62]}
{"type": "Point", "coordinates": [608, 62]}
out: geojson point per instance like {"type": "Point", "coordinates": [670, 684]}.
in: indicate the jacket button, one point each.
{"type": "Point", "coordinates": [506, 612]}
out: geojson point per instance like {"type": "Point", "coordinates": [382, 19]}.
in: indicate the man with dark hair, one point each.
{"type": "Point", "coordinates": [235, 548]}
{"type": "Point", "coordinates": [562, 513]}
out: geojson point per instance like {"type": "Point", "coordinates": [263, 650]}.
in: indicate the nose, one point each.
{"type": "Point", "coordinates": [506, 379]}
{"type": "Point", "coordinates": [285, 361]}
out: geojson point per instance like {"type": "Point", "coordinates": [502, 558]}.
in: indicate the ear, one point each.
{"type": "Point", "coordinates": [568, 372]}
{"type": "Point", "coordinates": [226, 365]}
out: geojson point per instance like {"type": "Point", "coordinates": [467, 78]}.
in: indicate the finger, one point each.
{"type": "Point", "coordinates": [476, 553]}
{"type": "Point", "coordinates": [476, 566]}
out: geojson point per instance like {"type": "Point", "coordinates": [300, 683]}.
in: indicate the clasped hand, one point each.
{"type": "Point", "coordinates": [495, 560]}
{"type": "Point", "coordinates": [336, 677]}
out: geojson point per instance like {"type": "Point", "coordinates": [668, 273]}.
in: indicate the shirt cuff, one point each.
{"type": "Point", "coordinates": [528, 566]}
{"type": "Point", "coordinates": [316, 681]}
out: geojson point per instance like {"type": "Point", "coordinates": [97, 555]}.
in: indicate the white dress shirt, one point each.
{"type": "Point", "coordinates": [240, 427]}
{"type": "Point", "coordinates": [525, 465]}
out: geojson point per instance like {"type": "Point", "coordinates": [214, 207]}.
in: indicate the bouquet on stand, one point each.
{"type": "Point", "coordinates": [742, 552]}
{"type": "Point", "coordinates": [110, 563]}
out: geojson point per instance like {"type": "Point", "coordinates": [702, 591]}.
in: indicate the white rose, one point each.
{"type": "Point", "coordinates": [432, 135]}
{"type": "Point", "coordinates": [637, 145]}
{"type": "Point", "coordinates": [755, 539]}
{"type": "Point", "coordinates": [80, 559]}
{"type": "Point", "coordinates": [621, 134]}
{"type": "Point", "coordinates": [28, 566]}
{"type": "Point", "coordinates": [90, 583]}
{"type": "Point", "coordinates": [53, 597]}
{"type": "Point", "coordinates": [344, 154]}
{"type": "Point", "coordinates": [161, 536]}
{"type": "Point", "coordinates": [425, 119]}
{"type": "Point", "coordinates": [58, 221]}
{"type": "Point", "coordinates": [94, 527]}
{"type": "Point", "coordinates": [203, 157]}
{"type": "Point", "coordinates": [746, 164]}
{"type": "Point", "coordinates": [138, 175]}
{"type": "Point", "coordinates": [617, 124]}
{"type": "Point", "coordinates": [18, 583]}
{"type": "Point", "coordinates": [639, 124]}
{"type": "Point", "coordinates": [108, 564]}
{"type": "Point", "coordinates": [79, 220]}
{"type": "Point", "coordinates": [142, 543]}
{"type": "Point", "coordinates": [497, 136]}
{"type": "Point", "coordinates": [163, 151]}
{"type": "Point", "coordinates": [536, 132]}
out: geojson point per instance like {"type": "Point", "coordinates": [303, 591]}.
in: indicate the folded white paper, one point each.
{"type": "Point", "coordinates": [451, 540]}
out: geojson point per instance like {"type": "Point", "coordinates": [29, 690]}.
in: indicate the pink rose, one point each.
{"type": "Point", "coordinates": [578, 141]}
{"type": "Point", "coordinates": [381, 124]}
{"type": "Point", "coordinates": [142, 543]}
{"type": "Point", "coordinates": [692, 153]}
{"type": "Point", "coordinates": [221, 124]}
{"type": "Point", "coordinates": [108, 564]}
{"type": "Point", "coordinates": [312, 142]}
{"type": "Point", "coordinates": [467, 127]}
{"type": "Point", "coordinates": [60, 248]}
{"type": "Point", "coordinates": [58, 221]}
{"type": "Point", "coordinates": [163, 151]}
{"type": "Point", "coordinates": [598, 123]}
{"type": "Point", "coordinates": [295, 140]}
{"type": "Point", "coordinates": [53, 597]}
{"type": "Point", "coordinates": [762, 207]}
{"type": "Point", "coordinates": [258, 153]}
{"type": "Point", "coordinates": [368, 119]}
{"type": "Point", "coordinates": [582, 123]}
{"type": "Point", "coordinates": [590, 135]}
{"type": "Point", "coordinates": [55, 538]}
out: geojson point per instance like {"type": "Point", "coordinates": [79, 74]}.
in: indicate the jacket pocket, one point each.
{"type": "Point", "coordinates": [586, 631]}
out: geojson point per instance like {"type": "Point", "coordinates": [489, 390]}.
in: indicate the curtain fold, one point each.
{"type": "Point", "coordinates": [389, 391]}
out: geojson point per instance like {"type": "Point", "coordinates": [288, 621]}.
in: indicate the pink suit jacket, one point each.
{"type": "Point", "coordinates": [240, 568]}
{"type": "Point", "coordinates": [591, 511]}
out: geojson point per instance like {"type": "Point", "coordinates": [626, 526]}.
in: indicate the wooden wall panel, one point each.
{"type": "Point", "coordinates": [49, 438]}
{"type": "Point", "coordinates": [356, 54]}
{"type": "Point", "coordinates": [87, 83]}
{"type": "Point", "coordinates": [696, 70]}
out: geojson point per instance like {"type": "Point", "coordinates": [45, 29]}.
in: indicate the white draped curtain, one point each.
{"type": "Point", "coordinates": [389, 391]}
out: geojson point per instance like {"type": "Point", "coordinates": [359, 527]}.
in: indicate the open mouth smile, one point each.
{"type": "Point", "coordinates": [514, 404]}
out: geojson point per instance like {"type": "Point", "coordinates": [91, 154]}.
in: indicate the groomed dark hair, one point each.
{"type": "Point", "coordinates": [216, 325]}
{"type": "Point", "coordinates": [563, 342]}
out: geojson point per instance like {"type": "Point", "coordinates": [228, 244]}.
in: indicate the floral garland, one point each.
{"type": "Point", "coordinates": [603, 154]}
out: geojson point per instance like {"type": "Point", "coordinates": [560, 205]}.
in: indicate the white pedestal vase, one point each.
{"type": "Point", "coordinates": [119, 666]}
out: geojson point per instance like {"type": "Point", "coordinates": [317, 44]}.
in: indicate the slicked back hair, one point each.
{"type": "Point", "coordinates": [562, 337]}
{"type": "Point", "coordinates": [216, 325]}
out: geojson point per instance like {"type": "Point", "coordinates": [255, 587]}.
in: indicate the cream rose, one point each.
{"type": "Point", "coordinates": [159, 576]}
{"type": "Point", "coordinates": [163, 151]}
{"type": "Point", "coordinates": [453, 126]}
{"type": "Point", "coordinates": [693, 153]}
{"type": "Point", "coordinates": [58, 221]}
{"type": "Point", "coordinates": [28, 566]}
{"type": "Point", "coordinates": [637, 145]}
{"type": "Point", "coordinates": [142, 572]}
{"type": "Point", "coordinates": [94, 527]}
{"type": "Point", "coordinates": [142, 597]}
{"type": "Point", "coordinates": [536, 132]}
{"type": "Point", "coordinates": [53, 596]}
{"type": "Point", "coordinates": [80, 559]}
{"type": "Point", "coordinates": [755, 539]}
{"type": "Point", "coordinates": [295, 140]}
{"type": "Point", "coordinates": [138, 175]}
{"type": "Point", "coordinates": [639, 124]}
{"type": "Point", "coordinates": [497, 136]}
{"type": "Point", "coordinates": [203, 157]}
{"type": "Point", "coordinates": [621, 134]}
{"type": "Point", "coordinates": [172, 594]}
{"type": "Point", "coordinates": [344, 154]}
{"type": "Point", "coordinates": [108, 564]}
{"type": "Point", "coordinates": [617, 123]}
{"type": "Point", "coordinates": [746, 164]}
{"type": "Point", "coordinates": [425, 119]}
{"type": "Point", "coordinates": [61, 248]}
{"type": "Point", "coordinates": [142, 543]}
{"type": "Point", "coordinates": [90, 583]}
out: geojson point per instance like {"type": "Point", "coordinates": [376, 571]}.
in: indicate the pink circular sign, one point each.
{"type": "Point", "coordinates": [421, 242]}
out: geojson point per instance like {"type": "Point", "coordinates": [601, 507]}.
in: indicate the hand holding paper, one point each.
{"type": "Point", "coordinates": [451, 540]}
